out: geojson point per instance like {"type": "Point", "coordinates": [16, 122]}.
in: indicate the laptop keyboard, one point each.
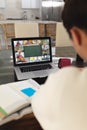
{"type": "Point", "coordinates": [35, 68]}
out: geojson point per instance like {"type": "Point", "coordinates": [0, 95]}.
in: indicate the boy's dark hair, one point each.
{"type": "Point", "coordinates": [75, 14]}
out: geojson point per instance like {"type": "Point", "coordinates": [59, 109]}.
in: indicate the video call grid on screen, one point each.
{"type": "Point", "coordinates": [31, 50]}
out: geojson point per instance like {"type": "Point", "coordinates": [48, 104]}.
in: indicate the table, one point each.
{"type": "Point", "coordinates": [28, 122]}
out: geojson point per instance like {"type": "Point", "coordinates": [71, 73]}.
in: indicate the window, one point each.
{"type": "Point", "coordinates": [2, 3]}
{"type": "Point", "coordinates": [30, 4]}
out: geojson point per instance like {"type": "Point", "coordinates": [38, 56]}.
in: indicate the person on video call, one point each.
{"type": "Point", "coordinates": [61, 103]}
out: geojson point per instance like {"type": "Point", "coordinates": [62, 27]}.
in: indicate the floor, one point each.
{"type": "Point", "coordinates": [65, 51]}
{"type": "Point", "coordinates": [6, 63]}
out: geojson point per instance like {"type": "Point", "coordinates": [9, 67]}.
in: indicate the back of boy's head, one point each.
{"type": "Point", "coordinates": [75, 14]}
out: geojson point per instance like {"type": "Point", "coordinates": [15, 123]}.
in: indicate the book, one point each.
{"type": "Point", "coordinates": [15, 99]}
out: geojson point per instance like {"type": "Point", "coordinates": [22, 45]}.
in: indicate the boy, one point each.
{"type": "Point", "coordinates": [61, 103]}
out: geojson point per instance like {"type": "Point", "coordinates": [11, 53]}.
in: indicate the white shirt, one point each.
{"type": "Point", "coordinates": [61, 103]}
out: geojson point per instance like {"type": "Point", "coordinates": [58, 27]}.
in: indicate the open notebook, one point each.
{"type": "Point", "coordinates": [15, 99]}
{"type": "Point", "coordinates": [32, 57]}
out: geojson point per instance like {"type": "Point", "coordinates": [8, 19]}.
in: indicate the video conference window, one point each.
{"type": "Point", "coordinates": [30, 51]}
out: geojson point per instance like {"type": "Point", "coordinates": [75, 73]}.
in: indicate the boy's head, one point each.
{"type": "Point", "coordinates": [74, 18]}
{"type": "Point", "coordinates": [75, 14]}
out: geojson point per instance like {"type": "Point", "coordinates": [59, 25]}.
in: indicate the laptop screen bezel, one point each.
{"type": "Point", "coordinates": [30, 38]}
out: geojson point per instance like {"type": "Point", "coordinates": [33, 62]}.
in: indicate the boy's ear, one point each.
{"type": "Point", "coordinates": [76, 35]}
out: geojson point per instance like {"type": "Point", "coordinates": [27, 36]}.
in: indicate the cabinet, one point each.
{"type": "Point", "coordinates": [48, 29]}
{"type": "Point", "coordinates": [31, 4]}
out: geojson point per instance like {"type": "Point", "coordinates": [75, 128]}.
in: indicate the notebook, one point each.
{"type": "Point", "coordinates": [32, 57]}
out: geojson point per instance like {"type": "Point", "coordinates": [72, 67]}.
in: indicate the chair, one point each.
{"type": "Point", "coordinates": [26, 30]}
{"type": "Point", "coordinates": [8, 29]}
{"type": "Point", "coordinates": [1, 37]}
{"type": "Point", "coordinates": [62, 37]}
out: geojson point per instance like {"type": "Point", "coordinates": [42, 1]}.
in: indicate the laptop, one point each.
{"type": "Point", "coordinates": [32, 57]}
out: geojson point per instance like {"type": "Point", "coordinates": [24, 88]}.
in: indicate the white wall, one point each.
{"type": "Point", "coordinates": [13, 10]}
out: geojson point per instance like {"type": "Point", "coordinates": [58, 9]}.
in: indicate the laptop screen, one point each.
{"type": "Point", "coordinates": [31, 50]}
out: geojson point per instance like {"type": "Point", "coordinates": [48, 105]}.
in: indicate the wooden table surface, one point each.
{"type": "Point", "coordinates": [28, 122]}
